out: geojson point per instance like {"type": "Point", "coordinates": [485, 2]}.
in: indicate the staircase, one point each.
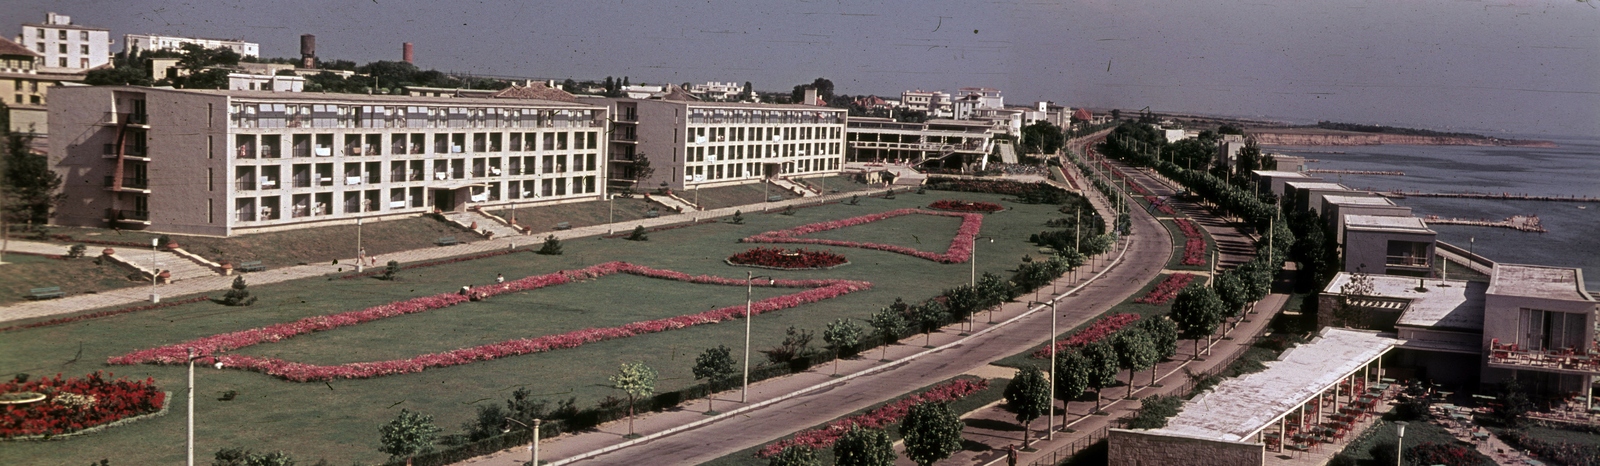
{"type": "Point", "coordinates": [1008, 153]}
{"type": "Point", "coordinates": [672, 204]}
{"type": "Point", "coordinates": [180, 267]}
{"type": "Point", "coordinates": [485, 223]}
{"type": "Point", "coordinates": [793, 187]}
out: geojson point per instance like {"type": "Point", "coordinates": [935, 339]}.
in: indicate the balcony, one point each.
{"type": "Point", "coordinates": [127, 217]}
{"type": "Point", "coordinates": [130, 184]}
{"type": "Point", "coordinates": [114, 118]}
{"type": "Point", "coordinates": [245, 185]}
{"type": "Point", "coordinates": [1406, 261]}
{"type": "Point", "coordinates": [1567, 360]}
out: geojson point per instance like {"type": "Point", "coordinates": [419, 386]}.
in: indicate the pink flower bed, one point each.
{"type": "Point", "coordinates": [1160, 205]}
{"type": "Point", "coordinates": [960, 247]}
{"type": "Point", "coordinates": [1194, 247]}
{"type": "Point", "coordinates": [211, 348]}
{"type": "Point", "coordinates": [823, 437]}
{"type": "Point", "coordinates": [965, 206]}
{"type": "Point", "coordinates": [1097, 331]}
{"type": "Point", "coordinates": [1167, 289]}
{"type": "Point", "coordinates": [68, 407]}
{"type": "Point", "coordinates": [780, 258]}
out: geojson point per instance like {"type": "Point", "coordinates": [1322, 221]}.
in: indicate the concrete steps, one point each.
{"type": "Point", "coordinates": [484, 223]}
{"type": "Point", "coordinates": [793, 187]}
{"type": "Point", "coordinates": [1008, 153]}
{"type": "Point", "coordinates": [180, 267]}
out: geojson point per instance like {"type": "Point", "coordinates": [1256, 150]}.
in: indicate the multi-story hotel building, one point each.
{"type": "Point", "coordinates": [223, 162]}
{"type": "Point", "coordinates": [936, 143]}
{"type": "Point", "coordinates": [148, 42]}
{"type": "Point", "coordinates": [703, 144]}
{"type": "Point", "coordinates": [66, 45]}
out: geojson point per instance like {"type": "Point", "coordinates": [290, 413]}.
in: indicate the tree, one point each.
{"type": "Point", "coordinates": [823, 86]}
{"type": "Point", "coordinates": [714, 365]}
{"type": "Point", "coordinates": [638, 234]}
{"type": "Point", "coordinates": [1072, 379]}
{"type": "Point", "coordinates": [1042, 137]}
{"type": "Point", "coordinates": [30, 189]}
{"type": "Point", "coordinates": [1102, 368]}
{"type": "Point", "coordinates": [238, 296]}
{"type": "Point", "coordinates": [638, 381]}
{"type": "Point", "coordinates": [1163, 338]}
{"type": "Point", "coordinates": [842, 336]}
{"type": "Point", "coordinates": [1135, 352]}
{"type": "Point", "coordinates": [930, 316]}
{"type": "Point", "coordinates": [887, 325]}
{"type": "Point", "coordinates": [1198, 311]}
{"type": "Point", "coordinates": [994, 290]}
{"type": "Point", "coordinates": [1514, 404]}
{"type": "Point", "coordinates": [1028, 395]}
{"type": "Point", "coordinates": [641, 170]}
{"type": "Point", "coordinates": [1348, 311]}
{"type": "Point", "coordinates": [407, 435]}
{"type": "Point", "coordinates": [390, 271]}
{"type": "Point", "coordinates": [796, 345]}
{"type": "Point", "coordinates": [552, 246]}
{"type": "Point", "coordinates": [1232, 291]}
{"type": "Point", "coordinates": [864, 447]}
{"type": "Point", "coordinates": [243, 457]}
{"type": "Point", "coordinates": [932, 432]}
{"type": "Point", "coordinates": [796, 455]}
{"type": "Point", "coordinates": [749, 91]}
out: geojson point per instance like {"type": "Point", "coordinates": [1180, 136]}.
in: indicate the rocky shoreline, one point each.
{"type": "Point", "coordinates": [1343, 138]}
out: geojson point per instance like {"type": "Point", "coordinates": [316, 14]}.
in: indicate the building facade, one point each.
{"type": "Point", "coordinates": [224, 162]}
{"type": "Point", "coordinates": [693, 144]}
{"type": "Point", "coordinates": [148, 42]}
{"type": "Point", "coordinates": [1388, 245]}
{"type": "Point", "coordinates": [28, 87]}
{"type": "Point", "coordinates": [67, 46]}
{"type": "Point", "coordinates": [935, 143]}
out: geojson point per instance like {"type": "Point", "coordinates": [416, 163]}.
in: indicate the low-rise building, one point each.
{"type": "Point", "coordinates": [937, 104]}
{"type": "Point", "coordinates": [1307, 195]}
{"type": "Point", "coordinates": [1336, 206]}
{"type": "Point", "coordinates": [224, 162]}
{"type": "Point", "coordinates": [26, 106]}
{"type": "Point", "coordinates": [1540, 328]}
{"type": "Point", "coordinates": [934, 143]}
{"type": "Point", "coordinates": [1272, 181]}
{"type": "Point", "coordinates": [1388, 245]}
{"type": "Point", "coordinates": [719, 92]}
{"type": "Point", "coordinates": [67, 47]}
{"type": "Point", "coordinates": [149, 42]}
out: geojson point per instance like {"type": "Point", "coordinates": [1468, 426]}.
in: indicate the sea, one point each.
{"type": "Point", "coordinates": [1570, 168]}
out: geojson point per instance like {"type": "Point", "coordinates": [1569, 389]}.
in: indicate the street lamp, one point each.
{"type": "Point", "coordinates": [361, 253]}
{"type": "Point", "coordinates": [533, 445]}
{"type": "Point", "coordinates": [1399, 450]}
{"type": "Point", "coordinates": [1050, 340]}
{"type": "Point", "coordinates": [154, 271]}
{"type": "Point", "coordinates": [748, 287]}
{"type": "Point", "coordinates": [974, 279]}
{"type": "Point", "coordinates": [611, 215]}
{"type": "Point", "coordinates": [192, 357]}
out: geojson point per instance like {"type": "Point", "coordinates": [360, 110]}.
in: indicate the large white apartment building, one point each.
{"type": "Point", "coordinates": [702, 144]}
{"type": "Point", "coordinates": [223, 162]}
{"type": "Point", "coordinates": [148, 42]}
{"type": "Point", "coordinates": [66, 45]}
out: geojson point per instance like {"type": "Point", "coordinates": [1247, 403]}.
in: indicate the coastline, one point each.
{"type": "Point", "coordinates": [1352, 138]}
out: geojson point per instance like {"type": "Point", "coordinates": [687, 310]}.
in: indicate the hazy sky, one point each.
{"type": "Point", "coordinates": [1495, 65]}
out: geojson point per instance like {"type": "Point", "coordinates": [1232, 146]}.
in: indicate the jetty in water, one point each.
{"type": "Point", "coordinates": [1355, 172]}
{"type": "Point", "coordinates": [1397, 194]}
{"type": "Point", "coordinates": [1528, 223]}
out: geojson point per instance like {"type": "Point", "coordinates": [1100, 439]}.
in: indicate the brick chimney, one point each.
{"type": "Point", "coordinates": [408, 53]}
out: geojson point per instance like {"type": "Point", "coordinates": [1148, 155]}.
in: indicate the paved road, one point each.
{"type": "Point", "coordinates": [1146, 254]}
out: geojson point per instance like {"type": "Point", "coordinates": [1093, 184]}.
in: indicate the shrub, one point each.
{"type": "Point", "coordinates": [638, 234]}
{"type": "Point", "coordinates": [737, 218]}
{"type": "Point", "coordinates": [552, 246]}
{"type": "Point", "coordinates": [238, 296]}
{"type": "Point", "coordinates": [76, 251]}
{"type": "Point", "coordinates": [796, 343]}
{"type": "Point", "coordinates": [390, 270]}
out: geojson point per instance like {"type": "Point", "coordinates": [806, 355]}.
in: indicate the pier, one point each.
{"type": "Point", "coordinates": [1355, 172]}
{"type": "Point", "coordinates": [1528, 223]}
{"type": "Point", "coordinates": [1398, 194]}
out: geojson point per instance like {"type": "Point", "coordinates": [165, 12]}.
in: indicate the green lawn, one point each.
{"type": "Point", "coordinates": [930, 233]}
{"type": "Point", "coordinates": [23, 272]}
{"type": "Point", "coordinates": [1384, 433]}
{"type": "Point", "coordinates": [1176, 263]}
{"type": "Point", "coordinates": [339, 420]}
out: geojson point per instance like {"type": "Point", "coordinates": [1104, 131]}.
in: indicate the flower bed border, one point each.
{"type": "Point", "coordinates": [209, 347]}
{"type": "Point", "coordinates": [1163, 293]}
{"type": "Point", "coordinates": [960, 247]}
{"type": "Point", "coordinates": [798, 251]}
{"type": "Point", "coordinates": [986, 209]}
{"type": "Point", "coordinates": [166, 403]}
{"type": "Point", "coordinates": [109, 380]}
{"type": "Point", "coordinates": [880, 417]}
{"type": "Point", "coordinates": [1105, 326]}
{"type": "Point", "coordinates": [1194, 245]}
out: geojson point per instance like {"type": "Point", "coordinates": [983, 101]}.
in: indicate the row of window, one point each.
{"type": "Point", "coordinates": [758, 133]}
{"type": "Point", "coordinates": [305, 175]}
{"type": "Point", "coordinates": [250, 146]}
{"type": "Point", "coordinates": [756, 151]}
{"type": "Point", "coordinates": [83, 49]}
{"type": "Point", "coordinates": [310, 205]}
{"type": "Point", "coordinates": [720, 115]}
{"type": "Point", "coordinates": [707, 173]}
{"type": "Point", "coordinates": [305, 115]}
{"type": "Point", "coordinates": [61, 34]}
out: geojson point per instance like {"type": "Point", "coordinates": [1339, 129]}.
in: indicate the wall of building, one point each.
{"type": "Point", "coordinates": [46, 39]}
{"type": "Point", "coordinates": [1335, 213]}
{"type": "Point", "coordinates": [661, 132]}
{"type": "Point", "coordinates": [1371, 249]}
{"type": "Point", "coordinates": [1147, 448]}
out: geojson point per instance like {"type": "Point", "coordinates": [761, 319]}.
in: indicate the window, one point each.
{"type": "Point", "coordinates": [63, 48]}
{"type": "Point", "coordinates": [41, 33]}
{"type": "Point", "coordinates": [62, 62]}
{"type": "Point", "coordinates": [40, 45]}
{"type": "Point", "coordinates": [83, 49]}
{"type": "Point", "coordinates": [62, 34]}
{"type": "Point", "coordinates": [84, 35]}
{"type": "Point", "coordinates": [1548, 330]}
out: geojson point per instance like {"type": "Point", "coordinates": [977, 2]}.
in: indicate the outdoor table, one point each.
{"type": "Point", "coordinates": [1458, 417]}
{"type": "Point", "coordinates": [1385, 380]}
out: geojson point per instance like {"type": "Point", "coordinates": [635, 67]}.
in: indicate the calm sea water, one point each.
{"type": "Point", "coordinates": [1573, 168]}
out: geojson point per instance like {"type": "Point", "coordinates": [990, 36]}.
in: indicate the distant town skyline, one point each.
{"type": "Point", "coordinates": [1522, 67]}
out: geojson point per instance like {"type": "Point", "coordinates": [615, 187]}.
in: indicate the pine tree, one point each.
{"type": "Point", "coordinates": [638, 234]}
{"type": "Point", "coordinates": [238, 296]}
{"type": "Point", "coordinates": [552, 246]}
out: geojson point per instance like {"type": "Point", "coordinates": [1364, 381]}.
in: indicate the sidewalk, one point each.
{"type": "Point", "coordinates": [217, 284]}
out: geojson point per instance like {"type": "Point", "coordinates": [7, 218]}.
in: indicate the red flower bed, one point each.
{"type": "Point", "coordinates": [1194, 247]}
{"type": "Point", "coordinates": [210, 347]}
{"type": "Point", "coordinates": [780, 258]}
{"type": "Point", "coordinates": [96, 315]}
{"type": "Point", "coordinates": [75, 404]}
{"type": "Point", "coordinates": [1097, 331]}
{"type": "Point", "coordinates": [823, 437]}
{"type": "Point", "coordinates": [1160, 205]}
{"type": "Point", "coordinates": [965, 206]}
{"type": "Point", "coordinates": [960, 247]}
{"type": "Point", "coordinates": [1167, 289]}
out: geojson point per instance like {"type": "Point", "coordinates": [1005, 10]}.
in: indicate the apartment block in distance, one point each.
{"type": "Point", "coordinates": [148, 42]}
{"type": "Point", "coordinates": [67, 46]}
{"type": "Point", "coordinates": [224, 162]}
{"type": "Point", "coordinates": [693, 144]}
{"type": "Point", "coordinates": [29, 87]}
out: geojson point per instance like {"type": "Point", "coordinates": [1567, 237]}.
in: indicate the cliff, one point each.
{"type": "Point", "coordinates": [1351, 138]}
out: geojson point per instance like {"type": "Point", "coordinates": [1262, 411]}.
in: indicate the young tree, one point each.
{"type": "Point", "coordinates": [407, 435]}
{"type": "Point", "coordinates": [390, 270]}
{"type": "Point", "coordinates": [30, 186]}
{"type": "Point", "coordinates": [887, 325]}
{"type": "Point", "coordinates": [638, 381]}
{"type": "Point", "coordinates": [1198, 311]}
{"type": "Point", "coordinates": [1072, 379]}
{"type": "Point", "coordinates": [552, 246]}
{"type": "Point", "coordinates": [1028, 395]}
{"type": "Point", "coordinates": [994, 290]}
{"type": "Point", "coordinates": [930, 316]}
{"type": "Point", "coordinates": [1163, 338]}
{"type": "Point", "coordinates": [638, 234]}
{"type": "Point", "coordinates": [864, 447]}
{"type": "Point", "coordinates": [243, 457]}
{"type": "Point", "coordinates": [1135, 352]}
{"type": "Point", "coordinates": [932, 432]}
{"type": "Point", "coordinates": [1231, 290]}
{"type": "Point", "coordinates": [796, 455]}
{"type": "Point", "coordinates": [1347, 311]}
{"type": "Point", "coordinates": [842, 336]}
{"type": "Point", "coordinates": [796, 344]}
{"type": "Point", "coordinates": [238, 296]}
{"type": "Point", "coordinates": [641, 170]}
{"type": "Point", "coordinates": [714, 365]}
{"type": "Point", "coordinates": [1102, 368]}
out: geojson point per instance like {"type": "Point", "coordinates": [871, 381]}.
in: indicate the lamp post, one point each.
{"type": "Point", "coordinates": [154, 271]}
{"type": "Point", "coordinates": [533, 445]}
{"type": "Point", "coordinates": [190, 442]}
{"type": "Point", "coordinates": [748, 290]}
{"type": "Point", "coordinates": [1050, 340]}
{"type": "Point", "coordinates": [361, 253]}
{"type": "Point", "coordinates": [973, 281]}
{"type": "Point", "coordinates": [611, 211]}
{"type": "Point", "coordinates": [1399, 443]}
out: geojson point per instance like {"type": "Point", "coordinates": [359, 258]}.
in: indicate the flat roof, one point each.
{"type": "Point", "coordinates": [1368, 200]}
{"type": "Point", "coordinates": [1238, 409]}
{"type": "Point", "coordinates": [1455, 304]}
{"type": "Point", "coordinates": [376, 99]}
{"type": "Point", "coordinates": [1281, 174]}
{"type": "Point", "coordinates": [1317, 185]}
{"type": "Point", "coordinates": [1385, 223]}
{"type": "Point", "coordinates": [1538, 281]}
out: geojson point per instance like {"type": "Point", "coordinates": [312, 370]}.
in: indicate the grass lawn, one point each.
{"type": "Point", "coordinates": [579, 214]}
{"type": "Point", "coordinates": [339, 420]}
{"type": "Point", "coordinates": [1417, 433]}
{"type": "Point", "coordinates": [23, 272]}
{"type": "Point", "coordinates": [930, 233]}
{"type": "Point", "coordinates": [995, 392]}
{"type": "Point", "coordinates": [739, 194]}
{"type": "Point", "coordinates": [1176, 263]}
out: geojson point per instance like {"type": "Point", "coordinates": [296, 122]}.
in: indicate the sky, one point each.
{"type": "Point", "coordinates": [1494, 66]}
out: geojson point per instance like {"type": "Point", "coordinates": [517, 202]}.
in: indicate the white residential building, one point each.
{"type": "Point", "coordinates": [148, 42]}
{"type": "Point", "coordinates": [715, 91]}
{"type": "Point", "coordinates": [67, 46]}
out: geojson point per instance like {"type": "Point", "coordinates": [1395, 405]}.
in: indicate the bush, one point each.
{"type": "Point", "coordinates": [390, 270]}
{"type": "Point", "coordinates": [638, 234]}
{"type": "Point", "coordinates": [737, 218]}
{"type": "Point", "coordinates": [796, 344]}
{"type": "Point", "coordinates": [1154, 411]}
{"type": "Point", "coordinates": [76, 251]}
{"type": "Point", "coordinates": [238, 296]}
{"type": "Point", "coordinates": [552, 246]}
